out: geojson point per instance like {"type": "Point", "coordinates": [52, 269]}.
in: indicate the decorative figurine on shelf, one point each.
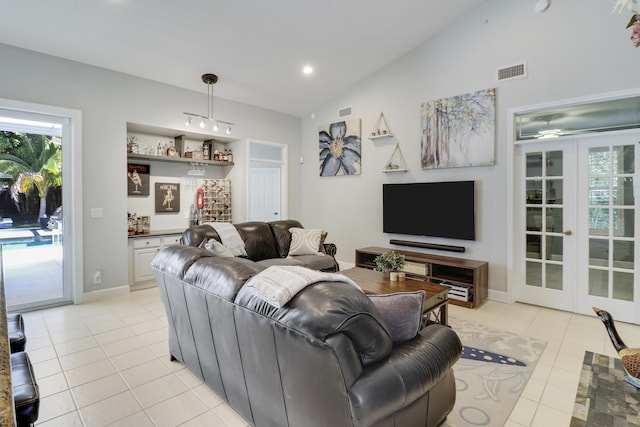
{"type": "Point", "coordinates": [132, 145]}
{"type": "Point", "coordinates": [630, 356]}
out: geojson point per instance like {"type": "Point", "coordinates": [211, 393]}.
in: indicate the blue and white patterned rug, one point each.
{"type": "Point", "coordinates": [490, 376]}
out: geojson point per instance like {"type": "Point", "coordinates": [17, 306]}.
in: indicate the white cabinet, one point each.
{"type": "Point", "coordinates": [142, 250]}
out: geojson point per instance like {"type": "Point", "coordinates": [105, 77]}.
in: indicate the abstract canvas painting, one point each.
{"type": "Point", "coordinates": [340, 148]}
{"type": "Point", "coordinates": [459, 131]}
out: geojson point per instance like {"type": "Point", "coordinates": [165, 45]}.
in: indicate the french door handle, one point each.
{"type": "Point", "coordinates": [567, 232]}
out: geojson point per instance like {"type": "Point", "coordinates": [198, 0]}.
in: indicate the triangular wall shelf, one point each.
{"type": "Point", "coordinates": [396, 162]}
{"type": "Point", "coordinates": [381, 129]}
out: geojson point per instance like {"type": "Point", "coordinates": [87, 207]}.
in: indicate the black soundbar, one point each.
{"type": "Point", "coordinates": [449, 248]}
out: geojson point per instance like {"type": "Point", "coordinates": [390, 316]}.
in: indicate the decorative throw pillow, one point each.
{"type": "Point", "coordinates": [305, 241]}
{"type": "Point", "coordinates": [217, 248]}
{"type": "Point", "coordinates": [401, 312]}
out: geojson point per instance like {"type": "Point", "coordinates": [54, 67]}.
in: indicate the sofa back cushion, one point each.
{"type": "Point", "coordinates": [259, 241]}
{"type": "Point", "coordinates": [282, 234]}
{"type": "Point", "coordinates": [325, 309]}
{"type": "Point", "coordinates": [199, 235]}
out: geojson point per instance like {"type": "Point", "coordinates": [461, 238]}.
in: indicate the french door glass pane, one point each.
{"type": "Point", "coordinates": [598, 283]}
{"type": "Point", "coordinates": [622, 286]}
{"type": "Point", "coordinates": [554, 220]}
{"type": "Point", "coordinates": [534, 164]}
{"type": "Point", "coordinates": [534, 192]}
{"type": "Point", "coordinates": [599, 163]}
{"type": "Point", "coordinates": [599, 190]}
{"type": "Point", "coordinates": [534, 274]}
{"type": "Point", "coordinates": [534, 248]}
{"type": "Point", "coordinates": [598, 221]}
{"type": "Point", "coordinates": [554, 248]}
{"type": "Point", "coordinates": [554, 276]}
{"type": "Point", "coordinates": [623, 222]}
{"type": "Point", "coordinates": [599, 252]}
{"type": "Point", "coordinates": [623, 159]}
{"type": "Point", "coordinates": [623, 256]}
{"type": "Point", "coordinates": [554, 163]}
{"type": "Point", "coordinates": [534, 219]}
{"type": "Point", "coordinates": [622, 191]}
{"type": "Point", "coordinates": [554, 191]}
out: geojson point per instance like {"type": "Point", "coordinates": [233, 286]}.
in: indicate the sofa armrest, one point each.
{"type": "Point", "coordinates": [330, 249]}
{"type": "Point", "coordinates": [411, 370]}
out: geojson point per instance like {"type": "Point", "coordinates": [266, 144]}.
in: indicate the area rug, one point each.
{"type": "Point", "coordinates": [494, 369]}
{"type": "Point", "coordinates": [603, 397]}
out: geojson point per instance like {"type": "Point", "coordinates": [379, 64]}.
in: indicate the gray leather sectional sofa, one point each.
{"type": "Point", "coordinates": [323, 359]}
{"type": "Point", "coordinates": [268, 244]}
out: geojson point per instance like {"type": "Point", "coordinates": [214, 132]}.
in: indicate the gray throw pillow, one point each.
{"type": "Point", "coordinates": [218, 249]}
{"type": "Point", "coordinates": [401, 312]}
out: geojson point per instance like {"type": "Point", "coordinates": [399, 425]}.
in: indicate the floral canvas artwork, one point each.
{"type": "Point", "coordinates": [340, 148]}
{"type": "Point", "coordinates": [459, 131]}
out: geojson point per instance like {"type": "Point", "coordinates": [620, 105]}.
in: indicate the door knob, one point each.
{"type": "Point", "coordinates": [275, 213]}
{"type": "Point", "coordinates": [567, 232]}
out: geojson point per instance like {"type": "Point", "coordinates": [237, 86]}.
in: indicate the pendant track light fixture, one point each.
{"type": "Point", "coordinates": [209, 79]}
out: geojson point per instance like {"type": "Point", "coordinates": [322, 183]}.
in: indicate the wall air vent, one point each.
{"type": "Point", "coordinates": [518, 71]}
{"type": "Point", "coordinates": [344, 112]}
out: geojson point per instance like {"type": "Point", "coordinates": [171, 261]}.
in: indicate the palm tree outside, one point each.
{"type": "Point", "coordinates": [34, 163]}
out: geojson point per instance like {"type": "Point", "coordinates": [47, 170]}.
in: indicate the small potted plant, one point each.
{"type": "Point", "coordinates": [390, 262]}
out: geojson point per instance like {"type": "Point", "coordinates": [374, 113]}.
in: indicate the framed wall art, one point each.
{"type": "Point", "coordinates": [459, 131]}
{"type": "Point", "coordinates": [340, 148]}
{"type": "Point", "coordinates": [167, 197]}
{"type": "Point", "coordinates": [138, 179]}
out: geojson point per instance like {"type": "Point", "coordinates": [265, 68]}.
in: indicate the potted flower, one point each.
{"type": "Point", "coordinates": [391, 262]}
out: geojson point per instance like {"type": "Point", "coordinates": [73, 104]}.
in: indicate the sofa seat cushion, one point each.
{"type": "Point", "coordinates": [315, 262]}
{"type": "Point", "coordinates": [281, 261]}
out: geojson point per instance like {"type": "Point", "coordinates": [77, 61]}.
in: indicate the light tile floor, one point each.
{"type": "Point", "coordinates": [107, 363]}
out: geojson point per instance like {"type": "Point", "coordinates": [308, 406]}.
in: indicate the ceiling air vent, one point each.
{"type": "Point", "coordinates": [344, 112]}
{"type": "Point", "coordinates": [518, 71]}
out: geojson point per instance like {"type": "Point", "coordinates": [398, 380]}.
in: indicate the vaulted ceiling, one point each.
{"type": "Point", "coordinates": [256, 47]}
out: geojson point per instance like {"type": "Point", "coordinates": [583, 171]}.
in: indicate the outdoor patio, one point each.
{"type": "Point", "coordinates": [32, 262]}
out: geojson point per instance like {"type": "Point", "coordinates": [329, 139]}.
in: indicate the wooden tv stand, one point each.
{"type": "Point", "coordinates": [464, 273]}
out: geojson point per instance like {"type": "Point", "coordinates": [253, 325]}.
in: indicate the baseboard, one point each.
{"type": "Point", "coordinates": [345, 265]}
{"type": "Point", "coordinates": [499, 296]}
{"type": "Point", "coordinates": [104, 293]}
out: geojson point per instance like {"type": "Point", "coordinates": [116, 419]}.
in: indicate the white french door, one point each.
{"type": "Point", "coordinates": [608, 216]}
{"type": "Point", "coordinates": [547, 201]}
{"type": "Point", "coordinates": [577, 215]}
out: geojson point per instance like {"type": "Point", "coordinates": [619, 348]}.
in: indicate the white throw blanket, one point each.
{"type": "Point", "coordinates": [277, 284]}
{"type": "Point", "coordinates": [229, 237]}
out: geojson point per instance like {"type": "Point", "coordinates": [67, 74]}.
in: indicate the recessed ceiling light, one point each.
{"type": "Point", "coordinates": [307, 69]}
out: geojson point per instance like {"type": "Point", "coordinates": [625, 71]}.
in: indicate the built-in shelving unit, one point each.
{"type": "Point", "coordinates": [177, 159]}
{"type": "Point", "coordinates": [463, 276]}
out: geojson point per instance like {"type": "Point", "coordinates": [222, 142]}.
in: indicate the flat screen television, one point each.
{"type": "Point", "coordinates": [435, 209]}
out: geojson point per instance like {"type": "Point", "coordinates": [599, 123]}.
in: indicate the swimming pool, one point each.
{"type": "Point", "coordinates": [24, 238]}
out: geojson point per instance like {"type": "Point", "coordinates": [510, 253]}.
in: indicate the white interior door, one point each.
{"type": "Point", "coordinates": [546, 200]}
{"type": "Point", "coordinates": [265, 194]}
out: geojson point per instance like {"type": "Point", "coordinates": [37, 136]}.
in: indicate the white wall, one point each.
{"type": "Point", "coordinates": [576, 48]}
{"type": "Point", "coordinates": [108, 100]}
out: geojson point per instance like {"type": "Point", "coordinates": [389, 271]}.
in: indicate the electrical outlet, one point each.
{"type": "Point", "coordinates": [97, 277]}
